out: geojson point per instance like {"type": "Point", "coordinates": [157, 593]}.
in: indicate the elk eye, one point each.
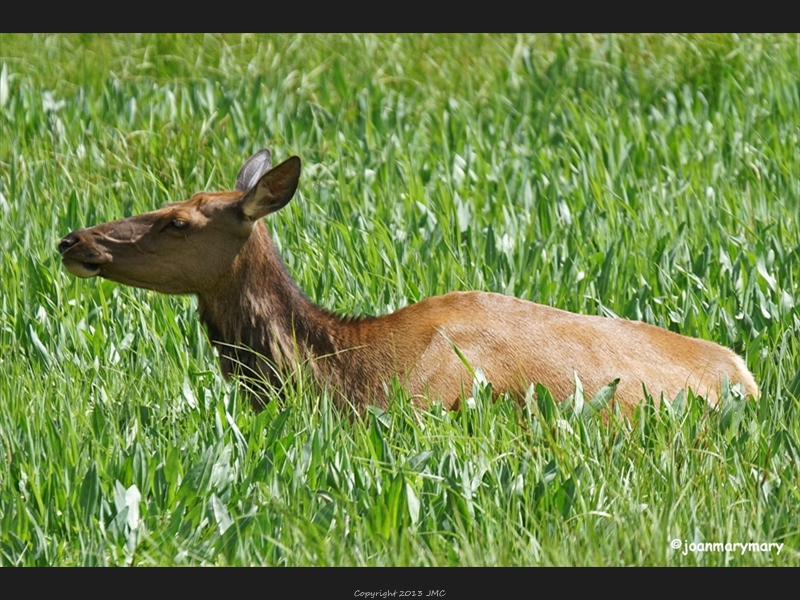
{"type": "Point", "coordinates": [179, 224]}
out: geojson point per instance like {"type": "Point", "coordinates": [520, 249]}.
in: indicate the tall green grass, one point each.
{"type": "Point", "coordinates": [649, 177]}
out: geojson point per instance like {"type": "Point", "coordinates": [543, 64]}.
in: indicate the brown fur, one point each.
{"type": "Point", "coordinates": [215, 245]}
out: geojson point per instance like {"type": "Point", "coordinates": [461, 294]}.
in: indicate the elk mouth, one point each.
{"type": "Point", "coordinates": [79, 258]}
{"type": "Point", "coordinates": [81, 268]}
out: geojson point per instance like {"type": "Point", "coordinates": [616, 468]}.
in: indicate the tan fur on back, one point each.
{"type": "Point", "coordinates": [516, 343]}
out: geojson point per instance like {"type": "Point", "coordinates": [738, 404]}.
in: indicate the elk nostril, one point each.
{"type": "Point", "coordinates": [66, 243]}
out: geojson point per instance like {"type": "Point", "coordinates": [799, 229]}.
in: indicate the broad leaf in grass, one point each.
{"type": "Point", "coordinates": [601, 399]}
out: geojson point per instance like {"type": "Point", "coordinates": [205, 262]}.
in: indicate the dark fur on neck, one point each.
{"type": "Point", "coordinates": [265, 328]}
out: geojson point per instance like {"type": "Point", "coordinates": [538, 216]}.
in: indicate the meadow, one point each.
{"type": "Point", "coordinates": [642, 177]}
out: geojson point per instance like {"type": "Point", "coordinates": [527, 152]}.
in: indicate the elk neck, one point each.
{"type": "Point", "coordinates": [262, 324]}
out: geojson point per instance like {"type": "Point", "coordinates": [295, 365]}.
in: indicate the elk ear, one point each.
{"type": "Point", "coordinates": [273, 191]}
{"type": "Point", "coordinates": [255, 168]}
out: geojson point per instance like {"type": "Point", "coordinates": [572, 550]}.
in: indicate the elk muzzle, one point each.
{"type": "Point", "coordinates": [80, 257]}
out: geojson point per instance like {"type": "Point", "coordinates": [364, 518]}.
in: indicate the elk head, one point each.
{"type": "Point", "coordinates": [185, 247]}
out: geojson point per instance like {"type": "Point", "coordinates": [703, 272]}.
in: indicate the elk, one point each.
{"type": "Point", "coordinates": [215, 245]}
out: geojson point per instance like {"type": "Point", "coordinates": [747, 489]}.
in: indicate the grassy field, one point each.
{"type": "Point", "coordinates": [649, 177]}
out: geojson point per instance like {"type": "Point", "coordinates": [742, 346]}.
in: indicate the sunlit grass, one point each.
{"type": "Point", "coordinates": [650, 177]}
